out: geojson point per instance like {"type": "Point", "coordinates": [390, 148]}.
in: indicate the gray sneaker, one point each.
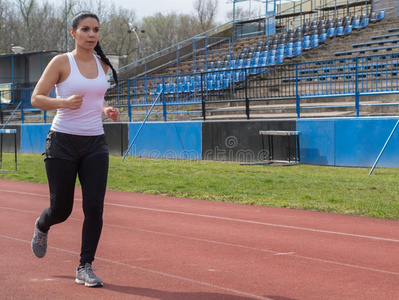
{"type": "Point", "coordinates": [39, 242]}
{"type": "Point", "coordinates": [87, 277]}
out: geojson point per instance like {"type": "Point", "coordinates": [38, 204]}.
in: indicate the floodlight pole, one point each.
{"type": "Point", "coordinates": [66, 26]}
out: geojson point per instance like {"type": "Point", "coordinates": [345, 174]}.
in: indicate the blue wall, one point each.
{"type": "Point", "coordinates": [180, 140]}
{"type": "Point", "coordinates": [33, 137]}
{"type": "Point", "coordinates": [334, 142]}
{"type": "Point", "coordinates": [176, 140]}
{"type": "Point", "coordinates": [348, 141]}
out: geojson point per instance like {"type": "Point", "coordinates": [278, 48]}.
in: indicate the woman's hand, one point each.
{"type": "Point", "coordinates": [74, 102]}
{"type": "Point", "coordinates": [112, 113]}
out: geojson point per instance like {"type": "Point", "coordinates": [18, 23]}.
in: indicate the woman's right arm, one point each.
{"type": "Point", "coordinates": [55, 72]}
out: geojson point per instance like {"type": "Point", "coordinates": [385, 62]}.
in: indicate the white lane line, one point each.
{"type": "Point", "coordinates": [225, 289]}
{"type": "Point", "coordinates": [257, 223]}
{"type": "Point", "coordinates": [231, 219]}
{"type": "Point", "coordinates": [284, 253]}
{"type": "Point", "coordinates": [276, 253]}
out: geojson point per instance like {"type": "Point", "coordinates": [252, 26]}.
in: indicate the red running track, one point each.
{"type": "Point", "coordinates": [157, 247]}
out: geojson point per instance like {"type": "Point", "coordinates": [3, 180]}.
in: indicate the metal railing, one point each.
{"type": "Point", "coordinates": [247, 84]}
{"type": "Point", "coordinates": [350, 77]}
{"type": "Point", "coordinates": [241, 84]}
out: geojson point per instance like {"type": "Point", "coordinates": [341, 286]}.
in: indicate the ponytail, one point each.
{"type": "Point", "coordinates": [100, 52]}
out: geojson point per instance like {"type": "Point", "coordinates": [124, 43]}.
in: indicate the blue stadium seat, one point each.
{"type": "Point", "coordinates": [158, 90]}
{"type": "Point", "coordinates": [297, 51]}
{"type": "Point", "coordinates": [280, 59]}
{"type": "Point", "coordinates": [314, 41]}
{"type": "Point", "coordinates": [348, 29]}
{"type": "Point", "coordinates": [236, 76]}
{"type": "Point", "coordinates": [264, 53]}
{"type": "Point", "coordinates": [239, 63]}
{"type": "Point", "coordinates": [330, 32]}
{"type": "Point", "coordinates": [289, 52]}
{"type": "Point", "coordinates": [322, 38]}
{"type": "Point", "coordinates": [364, 22]}
{"type": "Point", "coordinates": [280, 52]}
{"type": "Point", "coordinates": [218, 84]}
{"type": "Point", "coordinates": [166, 88]}
{"type": "Point", "coordinates": [305, 44]}
{"type": "Point", "coordinates": [380, 15]}
{"type": "Point", "coordinates": [210, 85]}
{"type": "Point", "coordinates": [225, 84]}
{"type": "Point", "coordinates": [247, 63]}
{"type": "Point", "coordinates": [232, 64]}
{"type": "Point", "coordinates": [186, 87]}
{"type": "Point", "coordinates": [356, 24]}
{"type": "Point", "coordinates": [271, 60]}
{"type": "Point", "coordinates": [272, 53]}
{"type": "Point", "coordinates": [254, 65]}
{"type": "Point", "coordinates": [263, 62]}
{"type": "Point", "coordinates": [339, 30]}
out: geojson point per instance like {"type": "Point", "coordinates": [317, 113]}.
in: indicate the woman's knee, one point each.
{"type": "Point", "coordinates": [60, 215]}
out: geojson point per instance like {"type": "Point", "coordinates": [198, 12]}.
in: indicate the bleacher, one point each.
{"type": "Point", "coordinates": [264, 75]}
{"type": "Point", "coordinates": [226, 79]}
{"type": "Point", "coordinates": [270, 51]}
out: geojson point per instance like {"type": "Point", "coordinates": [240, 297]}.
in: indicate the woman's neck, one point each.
{"type": "Point", "coordinates": [83, 54]}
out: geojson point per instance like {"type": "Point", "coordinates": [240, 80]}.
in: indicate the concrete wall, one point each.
{"type": "Point", "coordinates": [240, 141]}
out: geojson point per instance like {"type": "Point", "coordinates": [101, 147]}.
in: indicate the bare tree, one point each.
{"type": "Point", "coordinates": [26, 8]}
{"type": "Point", "coordinates": [116, 36]}
{"type": "Point", "coordinates": [160, 31]}
{"type": "Point", "coordinates": [240, 14]}
{"type": "Point", "coordinates": [41, 25]}
{"type": "Point", "coordinates": [206, 12]}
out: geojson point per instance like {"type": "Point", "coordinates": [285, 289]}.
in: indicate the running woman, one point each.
{"type": "Point", "coordinates": [75, 144]}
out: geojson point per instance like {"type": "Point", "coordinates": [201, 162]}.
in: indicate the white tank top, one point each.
{"type": "Point", "coordinates": [87, 119]}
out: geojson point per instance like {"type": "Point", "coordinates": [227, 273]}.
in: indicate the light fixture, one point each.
{"type": "Point", "coordinates": [17, 49]}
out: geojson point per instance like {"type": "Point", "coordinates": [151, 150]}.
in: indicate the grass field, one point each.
{"type": "Point", "coordinates": [319, 188]}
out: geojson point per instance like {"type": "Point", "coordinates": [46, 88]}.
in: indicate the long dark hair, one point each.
{"type": "Point", "coordinates": [75, 22]}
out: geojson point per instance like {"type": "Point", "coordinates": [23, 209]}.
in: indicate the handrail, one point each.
{"type": "Point", "coordinates": [337, 3]}
{"type": "Point", "coordinates": [13, 113]}
{"type": "Point", "coordinates": [142, 124]}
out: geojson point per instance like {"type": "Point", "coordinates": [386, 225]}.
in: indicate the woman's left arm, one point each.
{"type": "Point", "coordinates": [111, 112]}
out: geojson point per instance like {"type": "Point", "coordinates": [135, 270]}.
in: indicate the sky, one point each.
{"type": "Point", "coordinates": [150, 7]}
{"type": "Point", "coordinates": [145, 8]}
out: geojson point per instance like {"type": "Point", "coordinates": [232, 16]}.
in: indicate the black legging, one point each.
{"type": "Point", "coordinates": [61, 173]}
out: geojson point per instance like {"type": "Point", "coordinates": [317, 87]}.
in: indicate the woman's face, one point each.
{"type": "Point", "coordinates": [87, 33]}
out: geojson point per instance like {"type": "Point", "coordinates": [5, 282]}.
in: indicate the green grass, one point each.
{"type": "Point", "coordinates": [319, 188]}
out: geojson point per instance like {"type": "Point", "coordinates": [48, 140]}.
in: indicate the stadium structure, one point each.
{"type": "Point", "coordinates": [314, 82]}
